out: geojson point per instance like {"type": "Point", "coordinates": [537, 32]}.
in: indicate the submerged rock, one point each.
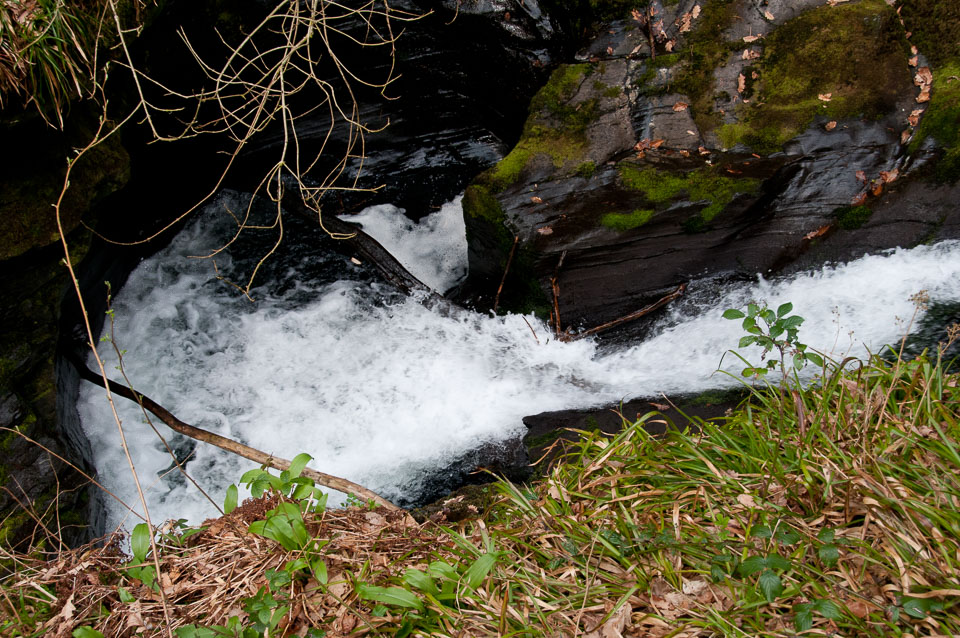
{"type": "Point", "coordinates": [758, 137]}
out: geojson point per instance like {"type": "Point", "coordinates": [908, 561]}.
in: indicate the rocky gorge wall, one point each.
{"type": "Point", "coordinates": [755, 137]}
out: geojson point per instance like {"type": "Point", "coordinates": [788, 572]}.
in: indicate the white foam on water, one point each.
{"type": "Point", "coordinates": [382, 393]}
{"type": "Point", "coordinates": [433, 249]}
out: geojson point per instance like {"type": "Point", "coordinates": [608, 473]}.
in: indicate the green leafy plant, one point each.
{"type": "Point", "coordinates": [773, 331]}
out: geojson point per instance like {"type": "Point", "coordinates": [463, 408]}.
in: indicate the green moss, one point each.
{"type": "Point", "coordinates": [553, 98]}
{"type": "Point", "coordinates": [852, 217]}
{"type": "Point", "coordinates": [586, 169]}
{"type": "Point", "coordinates": [478, 202]}
{"type": "Point", "coordinates": [941, 121]}
{"type": "Point", "coordinates": [704, 50]}
{"type": "Point", "coordinates": [854, 52]}
{"type": "Point", "coordinates": [935, 28]}
{"type": "Point", "coordinates": [703, 184]}
{"type": "Point", "coordinates": [627, 221]}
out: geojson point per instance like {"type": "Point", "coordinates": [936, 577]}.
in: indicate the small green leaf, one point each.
{"type": "Point", "coordinates": [776, 561]}
{"type": "Point", "coordinates": [86, 632]}
{"type": "Point", "coordinates": [760, 531]}
{"type": "Point", "coordinates": [440, 569]}
{"type": "Point", "coordinates": [140, 542]}
{"type": "Point", "coordinates": [733, 313]}
{"type": "Point", "coordinates": [422, 581]}
{"type": "Point", "coordinates": [751, 565]}
{"type": "Point", "coordinates": [230, 502]}
{"type": "Point", "coordinates": [798, 361]}
{"type": "Point", "coordinates": [717, 573]}
{"type": "Point", "coordinates": [746, 341]}
{"type": "Point", "coordinates": [827, 609]}
{"type": "Point", "coordinates": [826, 535]}
{"type": "Point", "coordinates": [477, 572]}
{"type": "Point", "coordinates": [390, 596]}
{"type": "Point", "coordinates": [803, 620]}
{"type": "Point", "coordinates": [749, 324]}
{"type": "Point", "coordinates": [770, 585]}
{"type": "Point", "coordinates": [125, 596]}
{"type": "Point", "coordinates": [319, 568]}
{"type": "Point", "coordinates": [784, 309]}
{"type": "Point", "coordinates": [829, 555]}
{"type": "Point", "coordinates": [298, 463]}
{"type": "Point", "coordinates": [814, 358]}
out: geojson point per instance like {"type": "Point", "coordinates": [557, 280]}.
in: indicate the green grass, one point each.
{"type": "Point", "coordinates": [829, 507]}
{"type": "Point", "coordinates": [627, 221]}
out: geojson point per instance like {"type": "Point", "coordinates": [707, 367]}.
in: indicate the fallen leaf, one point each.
{"type": "Point", "coordinates": [684, 153]}
{"type": "Point", "coordinates": [636, 15]}
{"type": "Point", "coordinates": [746, 500]}
{"type": "Point", "coordinates": [669, 45]}
{"type": "Point", "coordinates": [536, 200]}
{"type": "Point", "coordinates": [877, 188]}
{"type": "Point", "coordinates": [657, 143]}
{"type": "Point", "coordinates": [751, 38]}
{"type": "Point", "coordinates": [914, 61]}
{"type": "Point", "coordinates": [750, 54]}
{"type": "Point", "coordinates": [924, 94]}
{"type": "Point", "coordinates": [754, 75]}
{"type": "Point", "coordinates": [659, 406]}
{"type": "Point", "coordinates": [923, 77]}
{"type": "Point", "coordinates": [913, 50]}
{"type": "Point", "coordinates": [813, 234]}
{"type": "Point", "coordinates": [830, 125]}
{"type": "Point", "coordinates": [734, 172]}
{"type": "Point", "coordinates": [695, 11]}
{"type": "Point", "coordinates": [768, 16]}
{"type": "Point", "coordinates": [741, 83]}
{"type": "Point", "coordinates": [545, 230]}
{"type": "Point", "coordinates": [824, 97]}
{"type": "Point", "coordinates": [914, 117]}
{"type": "Point", "coordinates": [889, 176]}
{"type": "Point", "coordinates": [506, 16]}
{"type": "Point", "coordinates": [861, 176]}
{"type": "Point", "coordinates": [609, 50]}
{"type": "Point", "coordinates": [356, 261]}
{"type": "Point", "coordinates": [689, 132]}
{"type": "Point", "coordinates": [905, 137]}
{"type": "Point", "coordinates": [859, 200]}
{"type": "Point", "coordinates": [703, 150]}
{"type": "Point", "coordinates": [680, 106]}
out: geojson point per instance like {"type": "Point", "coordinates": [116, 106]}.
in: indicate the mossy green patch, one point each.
{"type": "Point", "coordinates": [852, 217]}
{"type": "Point", "coordinates": [935, 28]}
{"type": "Point", "coordinates": [702, 184]}
{"type": "Point", "coordinates": [941, 121]}
{"type": "Point", "coordinates": [855, 53]}
{"type": "Point", "coordinates": [555, 127]}
{"type": "Point", "coordinates": [478, 202]}
{"type": "Point", "coordinates": [704, 50]}
{"type": "Point", "coordinates": [627, 221]}
{"type": "Point", "coordinates": [586, 169]}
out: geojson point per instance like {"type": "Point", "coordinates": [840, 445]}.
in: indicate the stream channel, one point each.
{"type": "Point", "coordinates": [386, 392]}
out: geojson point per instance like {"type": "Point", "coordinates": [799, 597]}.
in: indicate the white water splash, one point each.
{"type": "Point", "coordinates": [382, 393]}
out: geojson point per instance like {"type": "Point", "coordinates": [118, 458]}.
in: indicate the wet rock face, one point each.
{"type": "Point", "coordinates": [760, 136]}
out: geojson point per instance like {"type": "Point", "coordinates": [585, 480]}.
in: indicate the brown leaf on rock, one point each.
{"type": "Point", "coordinates": [750, 54]}
{"type": "Point", "coordinates": [635, 14]}
{"type": "Point", "coordinates": [545, 230]}
{"type": "Point", "coordinates": [669, 45]}
{"type": "Point", "coordinates": [657, 143]}
{"type": "Point", "coordinates": [914, 117]}
{"type": "Point", "coordinates": [832, 124]}
{"type": "Point", "coordinates": [889, 176]}
{"type": "Point", "coordinates": [923, 77]}
{"type": "Point", "coordinates": [861, 176]}
{"type": "Point", "coordinates": [741, 83]}
{"type": "Point", "coordinates": [680, 106]}
{"type": "Point", "coordinates": [905, 136]}
{"type": "Point", "coordinates": [609, 50]}
{"type": "Point", "coordinates": [877, 188]}
{"type": "Point", "coordinates": [768, 16]}
{"type": "Point", "coordinates": [859, 200]}
{"type": "Point", "coordinates": [751, 38]}
{"type": "Point", "coordinates": [824, 97]}
{"type": "Point", "coordinates": [536, 200]}
{"type": "Point", "coordinates": [924, 94]}
{"type": "Point", "coordinates": [914, 61]}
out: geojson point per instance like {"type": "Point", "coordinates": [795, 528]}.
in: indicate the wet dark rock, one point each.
{"type": "Point", "coordinates": [635, 175]}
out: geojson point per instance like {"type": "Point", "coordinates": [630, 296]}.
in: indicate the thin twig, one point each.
{"type": "Point", "coordinates": [513, 250]}
{"type": "Point", "coordinates": [630, 317]}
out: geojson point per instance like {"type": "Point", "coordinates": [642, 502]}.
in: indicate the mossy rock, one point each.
{"type": "Point", "coordinates": [852, 217]}
{"type": "Point", "coordinates": [660, 187]}
{"type": "Point", "coordinates": [854, 53]}
{"type": "Point", "coordinates": [941, 121]}
{"type": "Point", "coordinates": [935, 28]}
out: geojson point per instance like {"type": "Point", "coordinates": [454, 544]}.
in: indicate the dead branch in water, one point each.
{"type": "Point", "coordinates": [222, 442]}
{"type": "Point", "coordinates": [660, 303]}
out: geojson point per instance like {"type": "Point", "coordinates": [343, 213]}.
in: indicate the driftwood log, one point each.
{"type": "Point", "coordinates": [222, 442]}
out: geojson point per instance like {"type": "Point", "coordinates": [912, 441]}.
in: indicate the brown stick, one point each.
{"type": "Point", "coordinates": [222, 442]}
{"type": "Point", "coordinates": [555, 285]}
{"type": "Point", "coordinates": [660, 303]}
{"type": "Point", "coordinates": [503, 280]}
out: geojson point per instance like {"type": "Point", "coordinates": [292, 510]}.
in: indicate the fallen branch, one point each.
{"type": "Point", "coordinates": [555, 285]}
{"type": "Point", "coordinates": [660, 303]}
{"type": "Point", "coordinates": [513, 250]}
{"type": "Point", "coordinates": [222, 442]}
